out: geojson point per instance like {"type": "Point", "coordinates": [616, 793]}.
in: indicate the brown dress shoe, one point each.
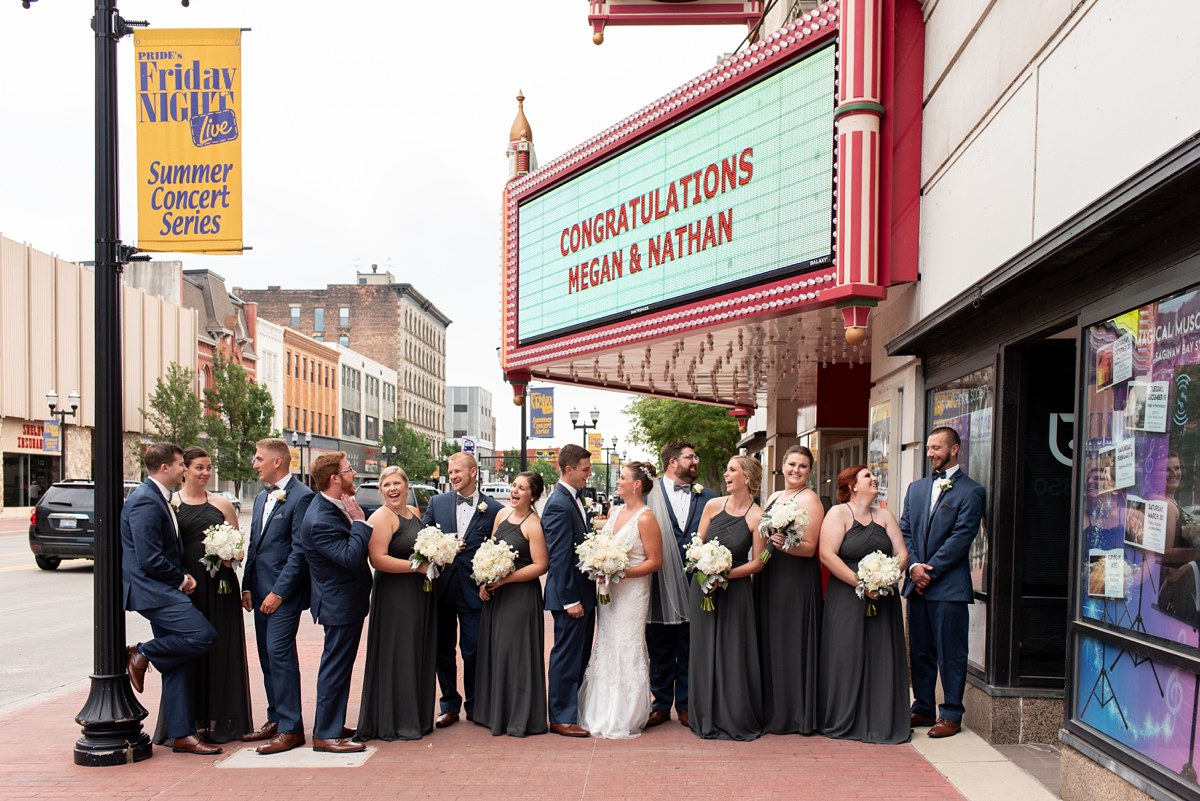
{"type": "Point", "coordinates": [268, 730]}
{"type": "Point", "coordinates": [337, 746]}
{"type": "Point", "coordinates": [945, 728]}
{"type": "Point", "coordinates": [569, 730]}
{"type": "Point", "coordinates": [683, 718]}
{"type": "Point", "coordinates": [194, 745]}
{"type": "Point", "coordinates": [920, 721]}
{"type": "Point", "coordinates": [657, 718]}
{"type": "Point", "coordinates": [446, 719]}
{"type": "Point", "coordinates": [280, 743]}
{"type": "Point", "coordinates": [137, 668]}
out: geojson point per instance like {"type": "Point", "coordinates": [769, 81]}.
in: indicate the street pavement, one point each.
{"type": "Point", "coordinates": [47, 634]}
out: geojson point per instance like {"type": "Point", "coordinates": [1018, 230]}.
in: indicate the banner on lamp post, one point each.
{"type": "Point", "coordinates": [541, 413]}
{"type": "Point", "coordinates": [595, 445]}
{"type": "Point", "coordinates": [188, 89]}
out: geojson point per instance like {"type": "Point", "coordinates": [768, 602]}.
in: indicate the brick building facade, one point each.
{"type": "Point", "coordinates": [389, 322]}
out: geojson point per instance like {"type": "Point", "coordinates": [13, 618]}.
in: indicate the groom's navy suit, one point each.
{"type": "Point", "coordinates": [458, 605]}
{"type": "Point", "coordinates": [151, 574]}
{"type": "Point", "coordinates": [275, 563]}
{"type": "Point", "coordinates": [938, 621]}
{"type": "Point", "coordinates": [341, 596]}
{"type": "Point", "coordinates": [668, 643]}
{"type": "Point", "coordinates": [564, 527]}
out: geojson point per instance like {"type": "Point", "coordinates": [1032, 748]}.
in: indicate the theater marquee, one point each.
{"type": "Point", "coordinates": [735, 194]}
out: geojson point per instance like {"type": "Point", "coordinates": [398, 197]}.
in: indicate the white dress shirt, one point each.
{"type": "Point", "coordinates": [269, 506]}
{"type": "Point", "coordinates": [935, 493]}
{"type": "Point", "coordinates": [464, 512]}
{"type": "Point", "coordinates": [681, 502]}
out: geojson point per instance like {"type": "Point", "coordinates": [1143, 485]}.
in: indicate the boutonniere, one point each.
{"type": "Point", "coordinates": [697, 489]}
{"type": "Point", "coordinates": [482, 507]}
{"type": "Point", "coordinates": [943, 484]}
{"type": "Point", "coordinates": [587, 503]}
{"type": "Point", "coordinates": [279, 495]}
{"type": "Point", "coordinates": [174, 503]}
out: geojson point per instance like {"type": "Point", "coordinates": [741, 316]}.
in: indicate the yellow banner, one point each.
{"type": "Point", "coordinates": [189, 139]}
{"type": "Point", "coordinates": [595, 444]}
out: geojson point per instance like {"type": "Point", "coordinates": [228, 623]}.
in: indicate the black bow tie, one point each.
{"type": "Point", "coordinates": [938, 474]}
{"type": "Point", "coordinates": [272, 487]}
{"type": "Point", "coordinates": [465, 499]}
{"type": "Point", "coordinates": [683, 487]}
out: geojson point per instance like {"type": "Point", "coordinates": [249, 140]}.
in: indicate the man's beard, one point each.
{"type": "Point", "coordinates": [689, 472]}
{"type": "Point", "coordinates": [348, 487]}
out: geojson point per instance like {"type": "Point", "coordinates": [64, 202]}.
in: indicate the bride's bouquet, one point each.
{"type": "Point", "coordinates": [493, 561]}
{"type": "Point", "coordinates": [711, 562]}
{"type": "Point", "coordinates": [435, 547]}
{"type": "Point", "coordinates": [878, 574]}
{"type": "Point", "coordinates": [786, 517]}
{"type": "Point", "coordinates": [601, 555]}
{"type": "Point", "coordinates": [223, 543]}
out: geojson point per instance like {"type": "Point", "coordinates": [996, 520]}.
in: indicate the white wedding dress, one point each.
{"type": "Point", "coordinates": [614, 699]}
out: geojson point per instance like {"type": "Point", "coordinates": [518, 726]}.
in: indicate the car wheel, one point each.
{"type": "Point", "coordinates": [47, 562]}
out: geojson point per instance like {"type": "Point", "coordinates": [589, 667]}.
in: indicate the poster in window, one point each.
{"type": "Point", "coordinates": [878, 445]}
{"type": "Point", "coordinates": [1106, 573]}
{"type": "Point", "coordinates": [1146, 524]}
{"type": "Point", "coordinates": [1107, 469]}
{"type": "Point", "coordinates": [1146, 406]}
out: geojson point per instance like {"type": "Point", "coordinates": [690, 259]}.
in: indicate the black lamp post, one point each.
{"type": "Point", "coordinates": [608, 483]}
{"type": "Point", "coordinates": [307, 445]}
{"type": "Point", "coordinates": [584, 426]}
{"type": "Point", "coordinates": [62, 415]}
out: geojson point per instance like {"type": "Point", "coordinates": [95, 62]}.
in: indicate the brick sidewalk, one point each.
{"type": "Point", "coordinates": [462, 762]}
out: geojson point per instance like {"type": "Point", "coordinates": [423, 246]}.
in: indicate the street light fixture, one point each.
{"type": "Point", "coordinates": [307, 444]}
{"type": "Point", "coordinates": [62, 415]}
{"type": "Point", "coordinates": [584, 426]}
{"type": "Point", "coordinates": [608, 482]}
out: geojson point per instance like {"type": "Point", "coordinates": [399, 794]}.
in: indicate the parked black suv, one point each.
{"type": "Point", "coordinates": [63, 524]}
{"type": "Point", "coordinates": [369, 499]}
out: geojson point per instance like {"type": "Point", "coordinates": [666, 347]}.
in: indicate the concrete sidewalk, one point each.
{"type": "Point", "coordinates": [466, 762]}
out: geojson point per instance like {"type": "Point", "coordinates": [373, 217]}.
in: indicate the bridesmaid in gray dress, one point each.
{"type": "Point", "coordinates": [399, 672]}
{"type": "Point", "coordinates": [787, 595]}
{"type": "Point", "coordinates": [724, 676]}
{"type": "Point", "coordinates": [510, 677]}
{"type": "Point", "coordinates": [864, 668]}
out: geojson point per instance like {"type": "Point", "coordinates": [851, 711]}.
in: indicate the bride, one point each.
{"type": "Point", "coordinates": [614, 699]}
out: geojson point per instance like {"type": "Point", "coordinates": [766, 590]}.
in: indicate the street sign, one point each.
{"type": "Point", "coordinates": [468, 445]}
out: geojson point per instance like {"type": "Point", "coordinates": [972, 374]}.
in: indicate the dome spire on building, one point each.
{"type": "Point", "coordinates": [521, 157]}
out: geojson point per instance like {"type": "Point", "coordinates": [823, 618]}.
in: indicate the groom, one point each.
{"type": "Point", "coordinates": [677, 503]}
{"type": "Point", "coordinates": [276, 589]}
{"type": "Point", "coordinates": [940, 521]}
{"type": "Point", "coordinates": [570, 594]}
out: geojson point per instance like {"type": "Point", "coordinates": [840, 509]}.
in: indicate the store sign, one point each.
{"type": "Point", "coordinates": [40, 437]}
{"type": "Point", "coordinates": [188, 90]}
{"type": "Point", "coordinates": [737, 194]}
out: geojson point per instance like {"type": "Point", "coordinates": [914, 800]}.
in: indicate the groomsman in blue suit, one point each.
{"type": "Point", "coordinates": [335, 536]}
{"type": "Point", "coordinates": [275, 587]}
{"type": "Point", "coordinates": [570, 594]}
{"type": "Point", "coordinates": [155, 585]}
{"type": "Point", "coordinates": [678, 503]}
{"type": "Point", "coordinates": [941, 519]}
{"type": "Point", "coordinates": [467, 512]}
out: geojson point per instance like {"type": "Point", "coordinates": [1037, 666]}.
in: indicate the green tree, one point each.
{"type": "Point", "coordinates": [412, 451]}
{"type": "Point", "coordinates": [175, 413]}
{"type": "Point", "coordinates": [547, 471]}
{"type": "Point", "coordinates": [239, 415]}
{"type": "Point", "coordinates": [511, 464]}
{"type": "Point", "coordinates": [443, 461]}
{"type": "Point", "coordinates": [657, 421]}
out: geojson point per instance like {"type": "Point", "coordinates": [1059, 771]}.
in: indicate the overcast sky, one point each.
{"type": "Point", "coordinates": [373, 133]}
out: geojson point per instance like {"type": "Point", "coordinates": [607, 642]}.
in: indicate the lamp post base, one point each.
{"type": "Point", "coordinates": [112, 725]}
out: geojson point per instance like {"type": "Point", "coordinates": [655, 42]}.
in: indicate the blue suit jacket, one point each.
{"type": "Point", "coordinates": [564, 529]}
{"type": "Point", "coordinates": [684, 529]}
{"type": "Point", "coordinates": [275, 557]}
{"type": "Point", "coordinates": [337, 562]}
{"type": "Point", "coordinates": [943, 539]}
{"type": "Point", "coordinates": [151, 554]}
{"type": "Point", "coordinates": [442, 512]}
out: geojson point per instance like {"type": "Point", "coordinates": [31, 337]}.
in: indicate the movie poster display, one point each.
{"type": "Point", "coordinates": [1139, 533]}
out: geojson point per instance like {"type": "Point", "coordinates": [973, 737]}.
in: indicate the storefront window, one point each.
{"type": "Point", "coordinates": [966, 406]}
{"type": "Point", "coordinates": [1139, 564]}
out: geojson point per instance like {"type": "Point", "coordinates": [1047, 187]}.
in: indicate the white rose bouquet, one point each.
{"type": "Point", "coordinates": [435, 547]}
{"type": "Point", "coordinates": [786, 517]}
{"type": "Point", "coordinates": [223, 543]}
{"type": "Point", "coordinates": [711, 562]}
{"type": "Point", "coordinates": [493, 561]}
{"type": "Point", "coordinates": [878, 574]}
{"type": "Point", "coordinates": [601, 556]}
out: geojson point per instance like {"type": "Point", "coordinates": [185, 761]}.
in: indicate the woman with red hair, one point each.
{"type": "Point", "coordinates": [864, 672]}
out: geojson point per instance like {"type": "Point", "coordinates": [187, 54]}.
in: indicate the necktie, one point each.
{"type": "Point", "coordinates": [683, 487]}
{"type": "Point", "coordinates": [465, 499]}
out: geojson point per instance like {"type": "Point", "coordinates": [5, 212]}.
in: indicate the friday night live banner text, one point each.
{"type": "Point", "coordinates": [541, 412]}
{"type": "Point", "coordinates": [189, 140]}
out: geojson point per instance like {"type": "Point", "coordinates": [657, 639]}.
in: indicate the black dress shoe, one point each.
{"type": "Point", "coordinates": [446, 719]}
{"type": "Point", "coordinates": [268, 730]}
{"type": "Point", "coordinates": [348, 733]}
{"type": "Point", "coordinates": [137, 668]}
{"type": "Point", "coordinates": [194, 745]}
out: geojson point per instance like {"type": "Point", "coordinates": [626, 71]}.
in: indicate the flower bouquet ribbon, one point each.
{"type": "Point", "coordinates": [435, 547]}
{"type": "Point", "coordinates": [710, 562]}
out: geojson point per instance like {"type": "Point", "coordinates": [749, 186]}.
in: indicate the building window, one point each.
{"type": "Point", "coordinates": [1138, 535]}
{"type": "Point", "coordinates": [460, 407]}
{"type": "Point", "coordinates": [344, 317]}
{"type": "Point", "coordinates": [318, 319]}
{"type": "Point", "coordinates": [344, 340]}
{"type": "Point", "coordinates": [295, 315]}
